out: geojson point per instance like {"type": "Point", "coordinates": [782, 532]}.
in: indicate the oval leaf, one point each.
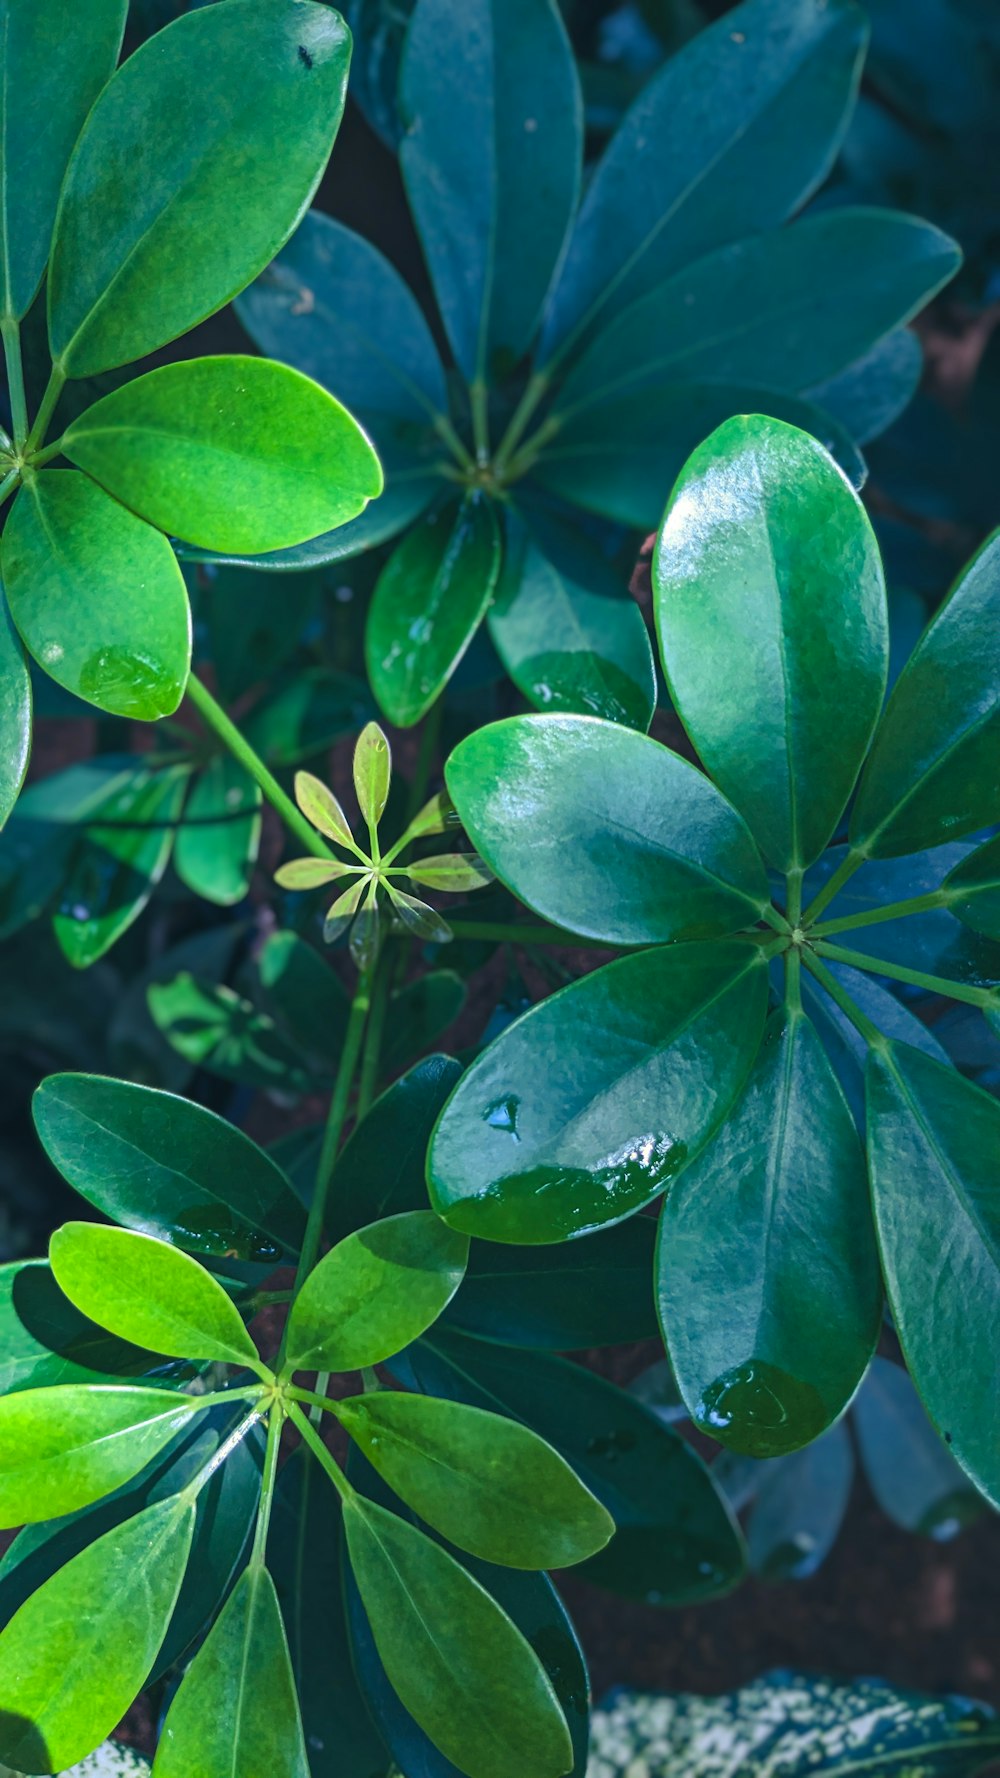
{"type": "Point", "coordinates": [974, 890]}
{"type": "Point", "coordinates": [908, 1466]}
{"type": "Point", "coordinates": [380, 1169]}
{"type": "Point", "coordinates": [372, 773]}
{"type": "Point", "coordinates": [15, 713]}
{"type": "Point", "coordinates": [45, 1341]}
{"type": "Point", "coordinates": [216, 847]}
{"type": "Point", "coordinates": [120, 855]}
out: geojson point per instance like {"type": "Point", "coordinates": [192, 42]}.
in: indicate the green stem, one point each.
{"type": "Point", "coordinates": [40, 458]}
{"type": "Point", "coordinates": [274, 1424]}
{"type": "Point", "coordinates": [773, 918]}
{"type": "Point", "coordinates": [213, 714]}
{"type": "Point", "coordinates": [319, 1451]}
{"type": "Point", "coordinates": [861, 1022]}
{"type": "Point", "coordinates": [11, 331]}
{"type": "Point", "coordinates": [368, 1080]}
{"type": "Point", "coordinates": [49, 402]}
{"type": "Point", "coordinates": [915, 978]}
{"type": "Point", "coordinates": [523, 460]}
{"type": "Point", "coordinates": [845, 870]}
{"type": "Point", "coordinates": [793, 978]}
{"type": "Point", "coordinates": [219, 1455]}
{"type": "Point", "coordinates": [479, 401]}
{"type": "Point", "coordinates": [310, 1397]}
{"type": "Point", "coordinates": [336, 1119]}
{"type": "Point", "coordinates": [8, 484]}
{"type": "Point", "coordinates": [893, 910]}
{"type": "Point", "coordinates": [446, 432]}
{"type": "Point", "coordinates": [521, 418]}
{"type": "Point", "coordinates": [321, 1402]}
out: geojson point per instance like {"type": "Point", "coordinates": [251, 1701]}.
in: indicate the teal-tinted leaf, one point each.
{"type": "Point", "coordinates": [38, 841]}
{"type": "Point", "coordinates": [45, 1341]}
{"type": "Point", "coordinates": [75, 1655]}
{"type": "Point", "coordinates": [380, 1170]}
{"type": "Point", "coordinates": [213, 1027]}
{"type": "Point", "coordinates": [932, 775]}
{"type": "Point", "coordinates": [605, 831]}
{"type": "Point", "coordinates": [372, 774]}
{"type": "Point", "coordinates": [418, 1013]}
{"type": "Point", "coordinates": [909, 1468]}
{"type": "Point", "coordinates": [974, 890]}
{"type": "Point", "coordinates": [147, 1291]}
{"type": "Point", "coordinates": [66, 1446]}
{"type": "Point", "coordinates": [15, 713]}
{"type": "Point", "coordinates": [768, 1345]}
{"type": "Point", "coordinates": [774, 629]}
{"type": "Point", "coordinates": [217, 844]}
{"type": "Point", "coordinates": [52, 70]}
{"type": "Point", "coordinates": [68, 550]}
{"type": "Point", "coordinates": [218, 1722]}
{"type": "Point", "coordinates": [870, 394]}
{"type": "Point", "coordinates": [933, 1138]}
{"type": "Point", "coordinates": [456, 1660]}
{"type": "Point", "coordinates": [846, 1048]}
{"type": "Point", "coordinates": [731, 137]}
{"type": "Point", "coordinates": [936, 941]}
{"type": "Point", "coordinates": [590, 1104]}
{"type": "Point", "coordinates": [785, 310]}
{"type": "Point", "coordinates": [593, 1292]}
{"type": "Point", "coordinates": [566, 634]}
{"type": "Point", "coordinates": [235, 453]}
{"type": "Point", "coordinates": [153, 236]}
{"type": "Point", "coordinates": [428, 602]}
{"type": "Point", "coordinates": [799, 1507]}
{"type": "Point", "coordinates": [492, 166]}
{"type": "Point", "coordinates": [373, 1293]}
{"type": "Point", "coordinates": [491, 1486]}
{"type": "Point", "coordinates": [167, 1167]}
{"type": "Point", "coordinates": [120, 855]}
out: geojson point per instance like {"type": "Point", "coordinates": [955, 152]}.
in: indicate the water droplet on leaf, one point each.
{"type": "Point", "coordinates": [761, 1411]}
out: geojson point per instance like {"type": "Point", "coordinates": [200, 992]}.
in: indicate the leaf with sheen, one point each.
{"type": "Point", "coordinates": [767, 1276]}
{"type": "Point", "coordinates": [491, 162]}
{"type": "Point", "coordinates": [932, 772]}
{"type": "Point", "coordinates": [593, 1292]}
{"type": "Point", "coordinates": [372, 769]}
{"type": "Point", "coordinates": [380, 1169]}
{"type": "Point", "coordinates": [731, 137]}
{"type": "Point", "coordinates": [216, 847]}
{"type": "Point", "coordinates": [120, 855]}
{"type": "Point", "coordinates": [149, 1292]}
{"type": "Point", "coordinates": [157, 229]}
{"type": "Point", "coordinates": [68, 551]}
{"type": "Point", "coordinates": [605, 831]}
{"type": "Point", "coordinates": [64, 1447]}
{"type": "Point", "coordinates": [236, 453]}
{"type": "Point", "coordinates": [492, 1487]}
{"type": "Point", "coordinates": [589, 1106]}
{"type": "Point", "coordinates": [15, 713]}
{"type": "Point", "coordinates": [45, 1341]}
{"type": "Point", "coordinates": [933, 1139]}
{"type": "Point", "coordinates": [458, 1663]}
{"type": "Point", "coordinates": [428, 603]}
{"type": "Point", "coordinates": [974, 890]}
{"type": "Point", "coordinates": [76, 1654]}
{"type": "Point", "coordinates": [774, 628]}
{"type": "Point", "coordinates": [374, 1292]}
{"type": "Point", "coordinates": [873, 391]}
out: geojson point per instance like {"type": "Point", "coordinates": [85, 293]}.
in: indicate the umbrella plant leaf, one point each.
{"type": "Point", "coordinates": [165, 1166]}
{"type": "Point", "coordinates": [871, 393]}
{"type": "Point", "coordinates": [933, 1138]}
{"type": "Point", "coordinates": [380, 1169]}
{"type": "Point", "coordinates": [492, 166]}
{"type": "Point", "coordinates": [373, 1293]}
{"type": "Point", "coordinates": [491, 1486]}
{"type": "Point", "coordinates": [799, 1507]}
{"type": "Point", "coordinates": [596, 1291]}
{"type": "Point", "coordinates": [456, 872]}
{"type": "Point", "coordinates": [68, 549]}
{"type": "Point", "coordinates": [15, 713]}
{"type": "Point", "coordinates": [45, 1341]}
{"type": "Point", "coordinates": [157, 229]}
{"type": "Point", "coordinates": [320, 806]}
{"type": "Point", "coordinates": [428, 602]}
{"type": "Point", "coordinates": [215, 1028]}
{"type": "Point", "coordinates": [236, 453]}
{"type": "Point", "coordinates": [66, 1446]}
{"type": "Point", "coordinates": [931, 775]}
{"type": "Point", "coordinates": [121, 854]}
{"type": "Point", "coordinates": [605, 831]}
{"type": "Point", "coordinates": [147, 1291]}
{"type": "Point", "coordinates": [418, 1013]}
{"type": "Point", "coordinates": [768, 1348]}
{"type": "Point", "coordinates": [588, 1106]}
{"type": "Point", "coordinates": [907, 1464]}
{"type": "Point", "coordinates": [216, 846]}
{"type": "Point", "coordinates": [75, 1655]}
{"type": "Point", "coordinates": [974, 890]}
{"type": "Point", "coordinates": [774, 629]}
{"type": "Point", "coordinates": [372, 774]}
{"type": "Point", "coordinates": [458, 1663]}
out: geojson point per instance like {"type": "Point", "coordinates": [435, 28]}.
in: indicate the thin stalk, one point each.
{"type": "Point", "coordinates": [370, 1381]}
{"type": "Point", "coordinates": [446, 432]}
{"type": "Point", "coordinates": [270, 1475]}
{"type": "Point", "coordinates": [915, 978]}
{"type": "Point", "coordinates": [219, 1456]}
{"type": "Point", "coordinates": [849, 1007]}
{"type": "Point", "coordinates": [773, 918]}
{"type": "Point", "coordinates": [40, 458]}
{"type": "Point", "coordinates": [322, 1385]}
{"type": "Point", "coordinates": [368, 1079]}
{"type": "Point", "coordinates": [54, 388]}
{"type": "Point", "coordinates": [522, 460]}
{"type": "Point", "coordinates": [213, 714]}
{"type": "Point", "coordinates": [479, 402]}
{"type": "Point", "coordinates": [521, 418]}
{"type": "Point", "coordinates": [844, 871]}
{"type": "Point", "coordinates": [335, 1121]}
{"type": "Point", "coordinates": [893, 910]}
{"type": "Point", "coordinates": [8, 484]}
{"type": "Point", "coordinates": [309, 1398]}
{"type": "Point", "coordinates": [319, 1451]}
{"type": "Point", "coordinates": [11, 332]}
{"type": "Point", "coordinates": [793, 978]}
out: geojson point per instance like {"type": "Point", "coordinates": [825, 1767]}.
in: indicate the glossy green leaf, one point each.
{"type": "Point", "coordinates": [75, 1655]}
{"type": "Point", "coordinates": [932, 775]}
{"type": "Point", "coordinates": [218, 1723]}
{"type": "Point", "coordinates": [233, 453]}
{"type": "Point", "coordinates": [408, 494]}
{"type": "Point", "coordinates": [216, 848]}
{"type": "Point", "coordinates": [786, 310]}
{"type": "Point", "coordinates": [774, 629]}
{"type": "Point", "coordinates": [380, 1170]}
{"type": "Point", "coordinates": [152, 234]}
{"type": "Point", "coordinates": [604, 831]}
{"type": "Point", "coordinates": [677, 1541]}
{"type": "Point", "coordinates": [51, 70]}
{"type": "Point", "coordinates": [419, 1012]}
{"type": "Point", "coordinates": [303, 874]}
{"type": "Point", "coordinates": [565, 632]}
{"type": "Point", "coordinates": [372, 773]}
{"type": "Point", "coordinates": [588, 1106]}
{"type": "Point", "coordinates": [768, 1282]}
{"type": "Point", "coordinates": [428, 602]}
{"type": "Point", "coordinates": [418, 919]}
{"type": "Point", "coordinates": [593, 1292]}
{"type": "Point", "coordinates": [974, 890]}
{"type": "Point", "coordinates": [730, 137]}
{"type": "Point", "coordinates": [64, 1447]}
{"type": "Point", "coordinates": [458, 873]}
{"type": "Point", "coordinates": [321, 807]}
{"type": "Point", "coordinates": [215, 1028]}
{"type": "Point", "coordinates": [907, 1464]}
{"type": "Point", "coordinates": [933, 1138]}
{"type": "Point", "coordinates": [68, 550]}
{"type": "Point", "coordinates": [456, 1660]}
{"type": "Point", "coordinates": [374, 1292]}
{"type": "Point", "coordinates": [491, 1486]}
{"type": "Point", "coordinates": [15, 713]}
{"type": "Point", "coordinates": [45, 1341]}
{"type": "Point", "coordinates": [119, 857]}
{"type": "Point", "coordinates": [492, 166]}
{"type": "Point", "coordinates": [147, 1291]}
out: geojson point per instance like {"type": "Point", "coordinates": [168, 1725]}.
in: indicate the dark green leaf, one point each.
{"type": "Point", "coordinates": [38, 841]}
{"type": "Point", "coordinates": [492, 166]}
{"type": "Point", "coordinates": [774, 629]}
{"type": "Point", "coordinates": [66, 1446]}
{"type": "Point", "coordinates": [491, 1486]}
{"type": "Point", "coordinates": [932, 775]}
{"type": "Point", "coordinates": [136, 1049]}
{"type": "Point", "coordinates": [605, 831]}
{"type": "Point", "coordinates": [871, 393]}
{"type": "Point", "coordinates": [45, 1341]}
{"type": "Point", "coordinates": [167, 1167]}
{"type": "Point", "coordinates": [120, 855]}
{"type": "Point", "coordinates": [306, 1000]}
{"type": "Point", "coordinates": [236, 454]}
{"type": "Point", "coordinates": [380, 1170]}
{"type": "Point", "coordinates": [68, 550]}
{"type": "Point", "coordinates": [799, 1507]}
{"type": "Point", "coordinates": [15, 713]}
{"type": "Point", "coordinates": [252, 633]}
{"type": "Point", "coordinates": [974, 890]}
{"type": "Point", "coordinates": [216, 847]}
{"type": "Point", "coordinates": [593, 1292]}
{"type": "Point", "coordinates": [418, 1013]}
{"type": "Point", "coordinates": [428, 602]}
{"type": "Point", "coordinates": [933, 1139]}
{"type": "Point", "coordinates": [910, 1471]}
{"type": "Point", "coordinates": [212, 1027]}
{"type": "Point", "coordinates": [156, 230]}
